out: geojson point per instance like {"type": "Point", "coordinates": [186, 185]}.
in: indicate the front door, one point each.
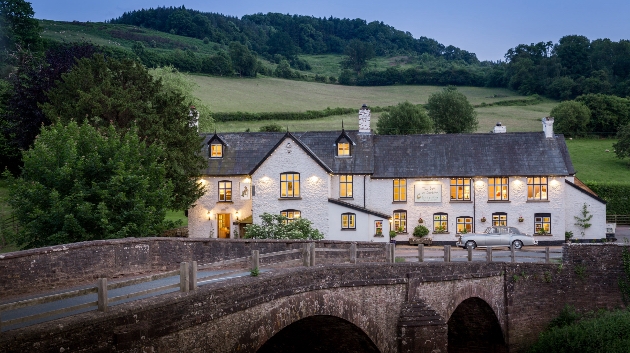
{"type": "Point", "coordinates": [224, 225]}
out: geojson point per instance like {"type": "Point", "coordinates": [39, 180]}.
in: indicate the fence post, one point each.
{"type": "Point", "coordinates": [353, 253]}
{"type": "Point", "coordinates": [420, 252]}
{"type": "Point", "coordinates": [388, 253]}
{"type": "Point", "coordinates": [101, 284]}
{"type": "Point", "coordinates": [547, 254]}
{"type": "Point", "coordinates": [447, 253]}
{"type": "Point", "coordinates": [392, 250]}
{"type": "Point", "coordinates": [306, 255]}
{"type": "Point", "coordinates": [469, 253]}
{"type": "Point", "coordinates": [192, 274]}
{"type": "Point", "coordinates": [488, 254]}
{"type": "Point", "coordinates": [255, 259]}
{"type": "Point", "coordinates": [312, 251]}
{"type": "Point", "coordinates": [512, 254]}
{"type": "Point", "coordinates": [183, 277]}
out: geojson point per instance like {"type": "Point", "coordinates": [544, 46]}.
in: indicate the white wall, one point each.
{"type": "Point", "coordinates": [365, 226]}
{"type": "Point", "coordinates": [575, 199]}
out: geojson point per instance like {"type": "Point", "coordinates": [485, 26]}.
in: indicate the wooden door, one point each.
{"type": "Point", "coordinates": [224, 225]}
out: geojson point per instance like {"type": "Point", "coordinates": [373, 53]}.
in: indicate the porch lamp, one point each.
{"type": "Point", "coordinates": [236, 216]}
{"type": "Point", "coordinates": [209, 215]}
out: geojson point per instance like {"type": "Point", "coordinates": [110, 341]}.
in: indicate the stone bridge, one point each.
{"type": "Point", "coordinates": [370, 307]}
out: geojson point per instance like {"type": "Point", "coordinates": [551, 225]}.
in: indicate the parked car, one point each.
{"type": "Point", "coordinates": [497, 236]}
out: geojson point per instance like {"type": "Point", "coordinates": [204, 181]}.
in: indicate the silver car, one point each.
{"type": "Point", "coordinates": [497, 236]}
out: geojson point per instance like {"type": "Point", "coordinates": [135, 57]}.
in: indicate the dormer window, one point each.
{"type": "Point", "coordinates": [216, 150]}
{"type": "Point", "coordinates": [343, 149]}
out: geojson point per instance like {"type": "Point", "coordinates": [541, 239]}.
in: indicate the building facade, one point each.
{"type": "Point", "coordinates": [356, 186]}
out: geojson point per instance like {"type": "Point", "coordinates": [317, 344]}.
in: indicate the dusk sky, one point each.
{"type": "Point", "coordinates": [487, 28]}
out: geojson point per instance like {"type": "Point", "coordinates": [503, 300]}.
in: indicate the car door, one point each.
{"type": "Point", "coordinates": [492, 237]}
{"type": "Point", "coordinates": [502, 238]}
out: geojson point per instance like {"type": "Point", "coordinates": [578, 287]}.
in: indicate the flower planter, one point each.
{"type": "Point", "coordinates": [424, 240]}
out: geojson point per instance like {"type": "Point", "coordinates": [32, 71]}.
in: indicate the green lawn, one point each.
{"type": "Point", "coordinates": [593, 163]}
{"type": "Point", "coordinates": [175, 216]}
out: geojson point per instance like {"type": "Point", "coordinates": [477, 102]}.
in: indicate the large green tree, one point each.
{"type": "Point", "coordinates": [357, 54]}
{"type": "Point", "coordinates": [451, 112]}
{"type": "Point", "coordinates": [571, 118]}
{"type": "Point", "coordinates": [404, 119]}
{"type": "Point", "coordinates": [122, 93]}
{"type": "Point", "coordinates": [79, 184]}
{"type": "Point", "coordinates": [17, 26]}
{"type": "Point", "coordinates": [243, 61]}
{"type": "Point", "coordinates": [608, 113]}
{"type": "Point", "coordinates": [622, 147]}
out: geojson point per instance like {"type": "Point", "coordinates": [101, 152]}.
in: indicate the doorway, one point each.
{"type": "Point", "coordinates": [223, 225]}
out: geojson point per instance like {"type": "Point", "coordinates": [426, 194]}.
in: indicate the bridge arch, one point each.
{"type": "Point", "coordinates": [320, 333]}
{"type": "Point", "coordinates": [494, 301]}
{"type": "Point", "coordinates": [474, 327]}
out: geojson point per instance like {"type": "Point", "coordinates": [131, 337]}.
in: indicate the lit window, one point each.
{"type": "Point", "coordinates": [542, 220]}
{"type": "Point", "coordinates": [291, 215]}
{"type": "Point", "coordinates": [400, 189]}
{"type": "Point", "coordinates": [499, 219]}
{"type": "Point", "coordinates": [290, 185]}
{"type": "Point", "coordinates": [225, 191]}
{"type": "Point", "coordinates": [347, 221]}
{"type": "Point", "coordinates": [378, 227]}
{"type": "Point", "coordinates": [400, 221]}
{"type": "Point", "coordinates": [498, 189]}
{"type": "Point", "coordinates": [440, 222]}
{"type": "Point", "coordinates": [343, 149]}
{"type": "Point", "coordinates": [345, 186]}
{"type": "Point", "coordinates": [464, 223]}
{"type": "Point", "coordinates": [537, 188]}
{"type": "Point", "coordinates": [216, 150]}
{"type": "Point", "coordinates": [460, 189]}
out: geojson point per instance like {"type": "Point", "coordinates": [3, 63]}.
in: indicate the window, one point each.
{"type": "Point", "coordinates": [345, 186]}
{"type": "Point", "coordinates": [289, 185]}
{"type": "Point", "coordinates": [537, 188]}
{"type": "Point", "coordinates": [498, 189]}
{"type": "Point", "coordinates": [343, 149]}
{"type": "Point", "coordinates": [291, 215]}
{"type": "Point", "coordinates": [499, 219]}
{"type": "Point", "coordinates": [378, 227]}
{"type": "Point", "coordinates": [225, 190]}
{"type": "Point", "coordinates": [460, 189]}
{"type": "Point", "coordinates": [400, 221]}
{"type": "Point", "coordinates": [400, 189]}
{"type": "Point", "coordinates": [464, 223]}
{"type": "Point", "coordinates": [347, 221]}
{"type": "Point", "coordinates": [440, 222]}
{"type": "Point", "coordinates": [216, 150]}
{"type": "Point", "coordinates": [542, 220]}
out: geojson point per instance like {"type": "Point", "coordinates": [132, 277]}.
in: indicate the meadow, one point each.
{"type": "Point", "coordinates": [594, 160]}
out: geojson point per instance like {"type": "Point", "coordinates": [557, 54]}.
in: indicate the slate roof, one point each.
{"type": "Point", "coordinates": [408, 156]}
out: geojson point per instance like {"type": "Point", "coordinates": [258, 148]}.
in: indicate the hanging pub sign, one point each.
{"type": "Point", "coordinates": [428, 192]}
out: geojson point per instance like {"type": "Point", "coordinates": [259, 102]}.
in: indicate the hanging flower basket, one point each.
{"type": "Point", "coordinates": [483, 219]}
{"type": "Point", "coordinates": [420, 220]}
{"type": "Point", "coordinates": [520, 219]}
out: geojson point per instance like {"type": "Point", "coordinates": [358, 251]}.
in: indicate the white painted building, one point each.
{"type": "Point", "coordinates": [356, 186]}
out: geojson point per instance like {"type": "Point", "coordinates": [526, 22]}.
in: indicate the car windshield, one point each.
{"type": "Point", "coordinates": [491, 230]}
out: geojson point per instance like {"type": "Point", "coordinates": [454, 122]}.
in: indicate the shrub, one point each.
{"type": "Point", "coordinates": [420, 231]}
{"type": "Point", "coordinates": [271, 128]}
{"type": "Point", "coordinates": [278, 227]}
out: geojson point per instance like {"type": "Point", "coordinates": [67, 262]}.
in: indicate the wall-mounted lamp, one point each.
{"type": "Point", "coordinates": [237, 216]}
{"type": "Point", "coordinates": [209, 215]}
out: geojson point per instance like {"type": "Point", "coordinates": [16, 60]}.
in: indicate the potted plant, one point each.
{"type": "Point", "coordinates": [439, 230]}
{"type": "Point", "coordinates": [568, 236]}
{"type": "Point", "coordinates": [392, 235]}
{"type": "Point", "coordinates": [420, 233]}
{"type": "Point", "coordinates": [541, 231]}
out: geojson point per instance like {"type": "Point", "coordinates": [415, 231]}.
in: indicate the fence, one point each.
{"type": "Point", "coordinates": [188, 278]}
{"type": "Point", "coordinates": [618, 218]}
{"type": "Point", "coordinates": [488, 256]}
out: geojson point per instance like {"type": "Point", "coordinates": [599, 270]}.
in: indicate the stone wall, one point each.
{"type": "Point", "coordinates": [57, 267]}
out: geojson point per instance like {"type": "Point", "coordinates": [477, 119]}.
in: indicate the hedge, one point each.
{"type": "Point", "coordinates": [307, 115]}
{"type": "Point", "coordinates": [616, 195]}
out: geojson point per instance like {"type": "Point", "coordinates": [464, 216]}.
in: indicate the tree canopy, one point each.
{"type": "Point", "coordinates": [451, 112]}
{"type": "Point", "coordinates": [17, 26]}
{"type": "Point", "coordinates": [80, 184]}
{"type": "Point", "coordinates": [122, 93]}
{"type": "Point", "coordinates": [357, 54]}
{"type": "Point", "coordinates": [622, 146]}
{"type": "Point", "coordinates": [404, 119]}
{"type": "Point", "coordinates": [571, 118]}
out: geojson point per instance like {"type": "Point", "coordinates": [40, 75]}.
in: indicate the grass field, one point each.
{"type": "Point", "coordinates": [593, 163]}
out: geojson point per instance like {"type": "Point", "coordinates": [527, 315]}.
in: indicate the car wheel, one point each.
{"type": "Point", "coordinates": [517, 244]}
{"type": "Point", "coordinates": [471, 245]}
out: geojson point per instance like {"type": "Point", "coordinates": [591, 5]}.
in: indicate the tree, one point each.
{"type": "Point", "coordinates": [278, 227]}
{"type": "Point", "coordinates": [451, 112]}
{"type": "Point", "coordinates": [608, 113]}
{"type": "Point", "coordinates": [122, 93]}
{"type": "Point", "coordinates": [78, 184]}
{"type": "Point", "coordinates": [404, 119]}
{"type": "Point", "coordinates": [17, 26]}
{"type": "Point", "coordinates": [243, 61]}
{"type": "Point", "coordinates": [583, 219]}
{"type": "Point", "coordinates": [571, 118]}
{"type": "Point", "coordinates": [357, 54]}
{"type": "Point", "coordinates": [622, 147]}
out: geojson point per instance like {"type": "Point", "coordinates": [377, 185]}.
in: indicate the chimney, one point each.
{"type": "Point", "coordinates": [499, 129]}
{"type": "Point", "coordinates": [364, 120]}
{"type": "Point", "coordinates": [548, 127]}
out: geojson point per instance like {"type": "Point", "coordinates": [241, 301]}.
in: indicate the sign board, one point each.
{"type": "Point", "coordinates": [428, 192]}
{"type": "Point", "coordinates": [245, 191]}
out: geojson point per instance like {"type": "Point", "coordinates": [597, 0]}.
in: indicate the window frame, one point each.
{"type": "Point", "coordinates": [467, 223]}
{"type": "Point", "coordinates": [212, 151]}
{"type": "Point", "coordinates": [293, 183]}
{"type": "Point", "coordinates": [466, 183]}
{"type": "Point", "coordinates": [399, 219]}
{"type": "Point", "coordinates": [343, 152]}
{"type": "Point", "coordinates": [501, 219]}
{"type": "Point", "coordinates": [532, 184]}
{"type": "Point", "coordinates": [343, 185]}
{"type": "Point", "coordinates": [351, 221]}
{"type": "Point", "coordinates": [401, 195]}
{"type": "Point", "coordinates": [503, 183]}
{"type": "Point", "coordinates": [443, 221]}
{"type": "Point", "coordinates": [292, 213]}
{"type": "Point", "coordinates": [542, 222]}
{"type": "Point", "coordinates": [227, 196]}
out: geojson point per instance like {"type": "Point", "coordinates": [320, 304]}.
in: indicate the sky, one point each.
{"type": "Point", "coordinates": [487, 28]}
